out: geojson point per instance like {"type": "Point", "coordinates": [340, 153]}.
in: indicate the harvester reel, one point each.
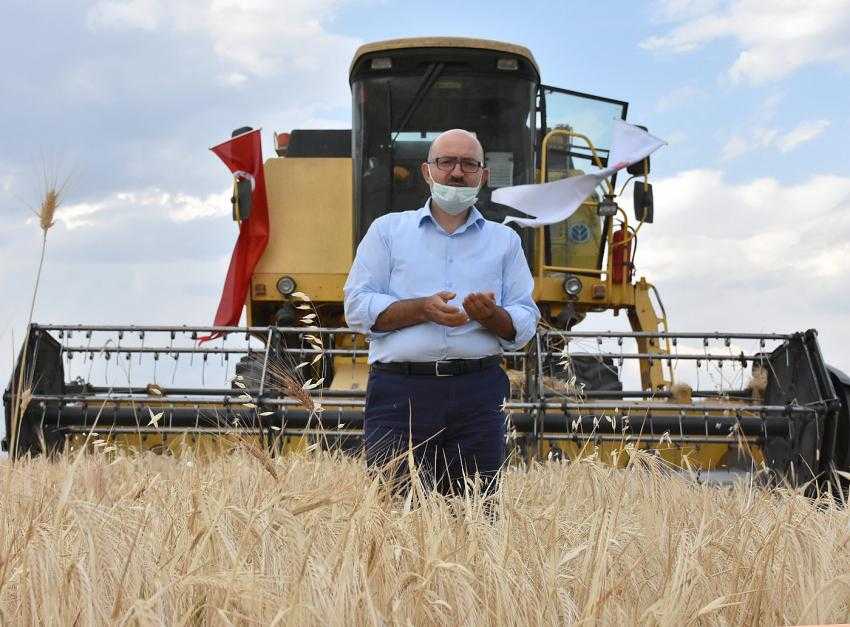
{"type": "Point", "coordinates": [155, 385]}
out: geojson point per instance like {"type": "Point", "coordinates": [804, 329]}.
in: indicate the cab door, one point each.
{"type": "Point", "coordinates": [579, 241]}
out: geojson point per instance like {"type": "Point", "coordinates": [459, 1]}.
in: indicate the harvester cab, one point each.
{"type": "Point", "coordinates": [295, 374]}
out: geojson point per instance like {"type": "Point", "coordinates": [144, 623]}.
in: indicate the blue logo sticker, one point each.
{"type": "Point", "coordinates": [579, 233]}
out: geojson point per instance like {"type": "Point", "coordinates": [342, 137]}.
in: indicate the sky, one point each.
{"type": "Point", "coordinates": [752, 194]}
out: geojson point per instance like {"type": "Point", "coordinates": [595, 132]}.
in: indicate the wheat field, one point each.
{"type": "Point", "coordinates": [310, 539]}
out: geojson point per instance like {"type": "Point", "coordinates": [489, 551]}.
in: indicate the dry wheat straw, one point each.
{"type": "Point", "coordinates": [124, 539]}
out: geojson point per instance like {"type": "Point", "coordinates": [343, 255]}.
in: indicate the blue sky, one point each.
{"type": "Point", "coordinates": [752, 224]}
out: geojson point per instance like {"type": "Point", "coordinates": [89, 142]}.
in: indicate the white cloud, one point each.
{"type": "Point", "coordinates": [775, 228]}
{"type": "Point", "coordinates": [735, 147]}
{"type": "Point", "coordinates": [677, 97]}
{"type": "Point", "coordinates": [142, 14]}
{"type": "Point", "coordinates": [759, 255]}
{"type": "Point", "coordinates": [757, 139]}
{"type": "Point", "coordinates": [805, 131]}
{"type": "Point", "coordinates": [153, 203]}
{"type": "Point", "coordinates": [259, 38]}
{"type": "Point", "coordinates": [252, 34]}
{"type": "Point", "coordinates": [762, 138]}
{"type": "Point", "coordinates": [78, 215]}
{"type": "Point", "coordinates": [675, 10]}
{"type": "Point", "coordinates": [185, 208]}
{"type": "Point", "coordinates": [234, 79]}
{"type": "Point", "coordinates": [776, 37]}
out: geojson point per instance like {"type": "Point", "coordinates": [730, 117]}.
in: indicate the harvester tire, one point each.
{"type": "Point", "coordinates": [250, 367]}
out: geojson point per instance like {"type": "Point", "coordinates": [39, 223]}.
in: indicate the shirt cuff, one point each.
{"type": "Point", "coordinates": [377, 305]}
{"type": "Point", "coordinates": [525, 325]}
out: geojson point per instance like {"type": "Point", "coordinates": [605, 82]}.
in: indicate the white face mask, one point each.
{"type": "Point", "coordinates": [454, 200]}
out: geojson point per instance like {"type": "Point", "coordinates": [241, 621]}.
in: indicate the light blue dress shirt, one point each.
{"type": "Point", "coordinates": [409, 255]}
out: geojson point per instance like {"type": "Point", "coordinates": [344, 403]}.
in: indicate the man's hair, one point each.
{"type": "Point", "coordinates": [455, 131]}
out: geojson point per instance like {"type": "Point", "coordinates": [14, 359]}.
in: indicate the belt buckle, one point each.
{"type": "Point", "coordinates": [437, 368]}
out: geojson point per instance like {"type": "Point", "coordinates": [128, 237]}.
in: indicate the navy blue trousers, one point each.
{"type": "Point", "coordinates": [456, 426]}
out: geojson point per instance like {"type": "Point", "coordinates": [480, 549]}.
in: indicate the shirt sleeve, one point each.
{"type": "Point", "coordinates": [517, 295]}
{"type": "Point", "coordinates": [366, 289]}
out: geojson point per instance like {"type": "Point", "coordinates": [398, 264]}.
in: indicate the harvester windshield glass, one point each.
{"type": "Point", "coordinates": [396, 117]}
{"type": "Point", "coordinates": [587, 116]}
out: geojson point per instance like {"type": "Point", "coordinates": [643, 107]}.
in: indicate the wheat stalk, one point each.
{"type": "Point", "coordinates": [285, 383]}
{"type": "Point", "coordinates": [52, 194]}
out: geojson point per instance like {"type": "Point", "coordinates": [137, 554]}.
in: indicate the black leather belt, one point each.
{"type": "Point", "coordinates": [447, 368]}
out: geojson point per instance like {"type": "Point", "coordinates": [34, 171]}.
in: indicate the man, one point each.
{"type": "Point", "coordinates": [441, 292]}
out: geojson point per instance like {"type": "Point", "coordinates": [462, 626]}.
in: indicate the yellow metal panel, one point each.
{"type": "Point", "coordinates": [319, 287]}
{"type": "Point", "coordinates": [575, 241]}
{"type": "Point", "coordinates": [443, 42]}
{"type": "Point", "coordinates": [310, 216]}
{"type": "Point", "coordinates": [643, 318]}
{"type": "Point", "coordinates": [550, 289]}
{"type": "Point", "coordinates": [699, 456]}
{"type": "Point", "coordinates": [350, 375]}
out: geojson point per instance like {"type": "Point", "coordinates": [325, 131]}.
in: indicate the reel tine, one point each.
{"type": "Point", "coordinates": [176, 357]}
{"type": "Point", "coordinates": [90, 359]}
{"type": "Point", "coordinates": [621, 360]}
{"type": "Point", "coordinates": [142, 344]}
{"type": "Point", "coordinates": [106, 356]}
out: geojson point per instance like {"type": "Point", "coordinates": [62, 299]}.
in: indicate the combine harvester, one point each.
{"type": "Point", "coordinates": [708, 401]}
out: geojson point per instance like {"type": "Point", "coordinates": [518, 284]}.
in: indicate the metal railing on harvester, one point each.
{"type": "Point", "coordinates": [78, 378]}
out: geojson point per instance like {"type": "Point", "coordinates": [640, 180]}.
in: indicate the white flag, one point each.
{"type": "Point", "coordinates": [556, 201]}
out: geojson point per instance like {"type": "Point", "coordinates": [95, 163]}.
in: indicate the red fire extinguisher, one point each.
{"type": "Point", "coordinates": [621, 254]}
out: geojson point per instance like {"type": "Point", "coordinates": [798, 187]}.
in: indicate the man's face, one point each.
{"type": "Point", "coordinates": [462, 147]}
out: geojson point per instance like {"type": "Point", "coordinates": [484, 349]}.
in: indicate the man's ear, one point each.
{"type": "Point", "coordinates": [425, 175]}
{"type": "Point", "coordinates": [485, 176]}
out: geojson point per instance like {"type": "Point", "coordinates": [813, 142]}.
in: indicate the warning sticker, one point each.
{"type": "Point", "coordinates": [501, 166]}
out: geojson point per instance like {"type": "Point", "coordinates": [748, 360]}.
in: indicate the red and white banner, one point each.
{"type": "Point", "coordinates": [243, 155]}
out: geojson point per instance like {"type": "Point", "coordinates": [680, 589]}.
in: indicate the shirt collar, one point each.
{"type": "Point", "coordinates": [474, 217]}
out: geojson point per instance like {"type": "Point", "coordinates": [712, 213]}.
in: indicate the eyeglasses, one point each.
{"type": "Point", "coordinates": [467, 166]}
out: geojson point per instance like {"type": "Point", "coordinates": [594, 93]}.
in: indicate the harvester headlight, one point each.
{"type": "Point", "coordinates": [286, 285]}
{"type": "Point", "coordinates": [572, 286]}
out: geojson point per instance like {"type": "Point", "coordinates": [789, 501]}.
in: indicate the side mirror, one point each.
{"type": "Point", "coordinates": [643, 201]}
{"type": "Point", "coordinates": [641, 168]}
{"type": "Point", "coordinates": [241, 198]}
{"type": "Point", "coordinates": [242, 187]}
